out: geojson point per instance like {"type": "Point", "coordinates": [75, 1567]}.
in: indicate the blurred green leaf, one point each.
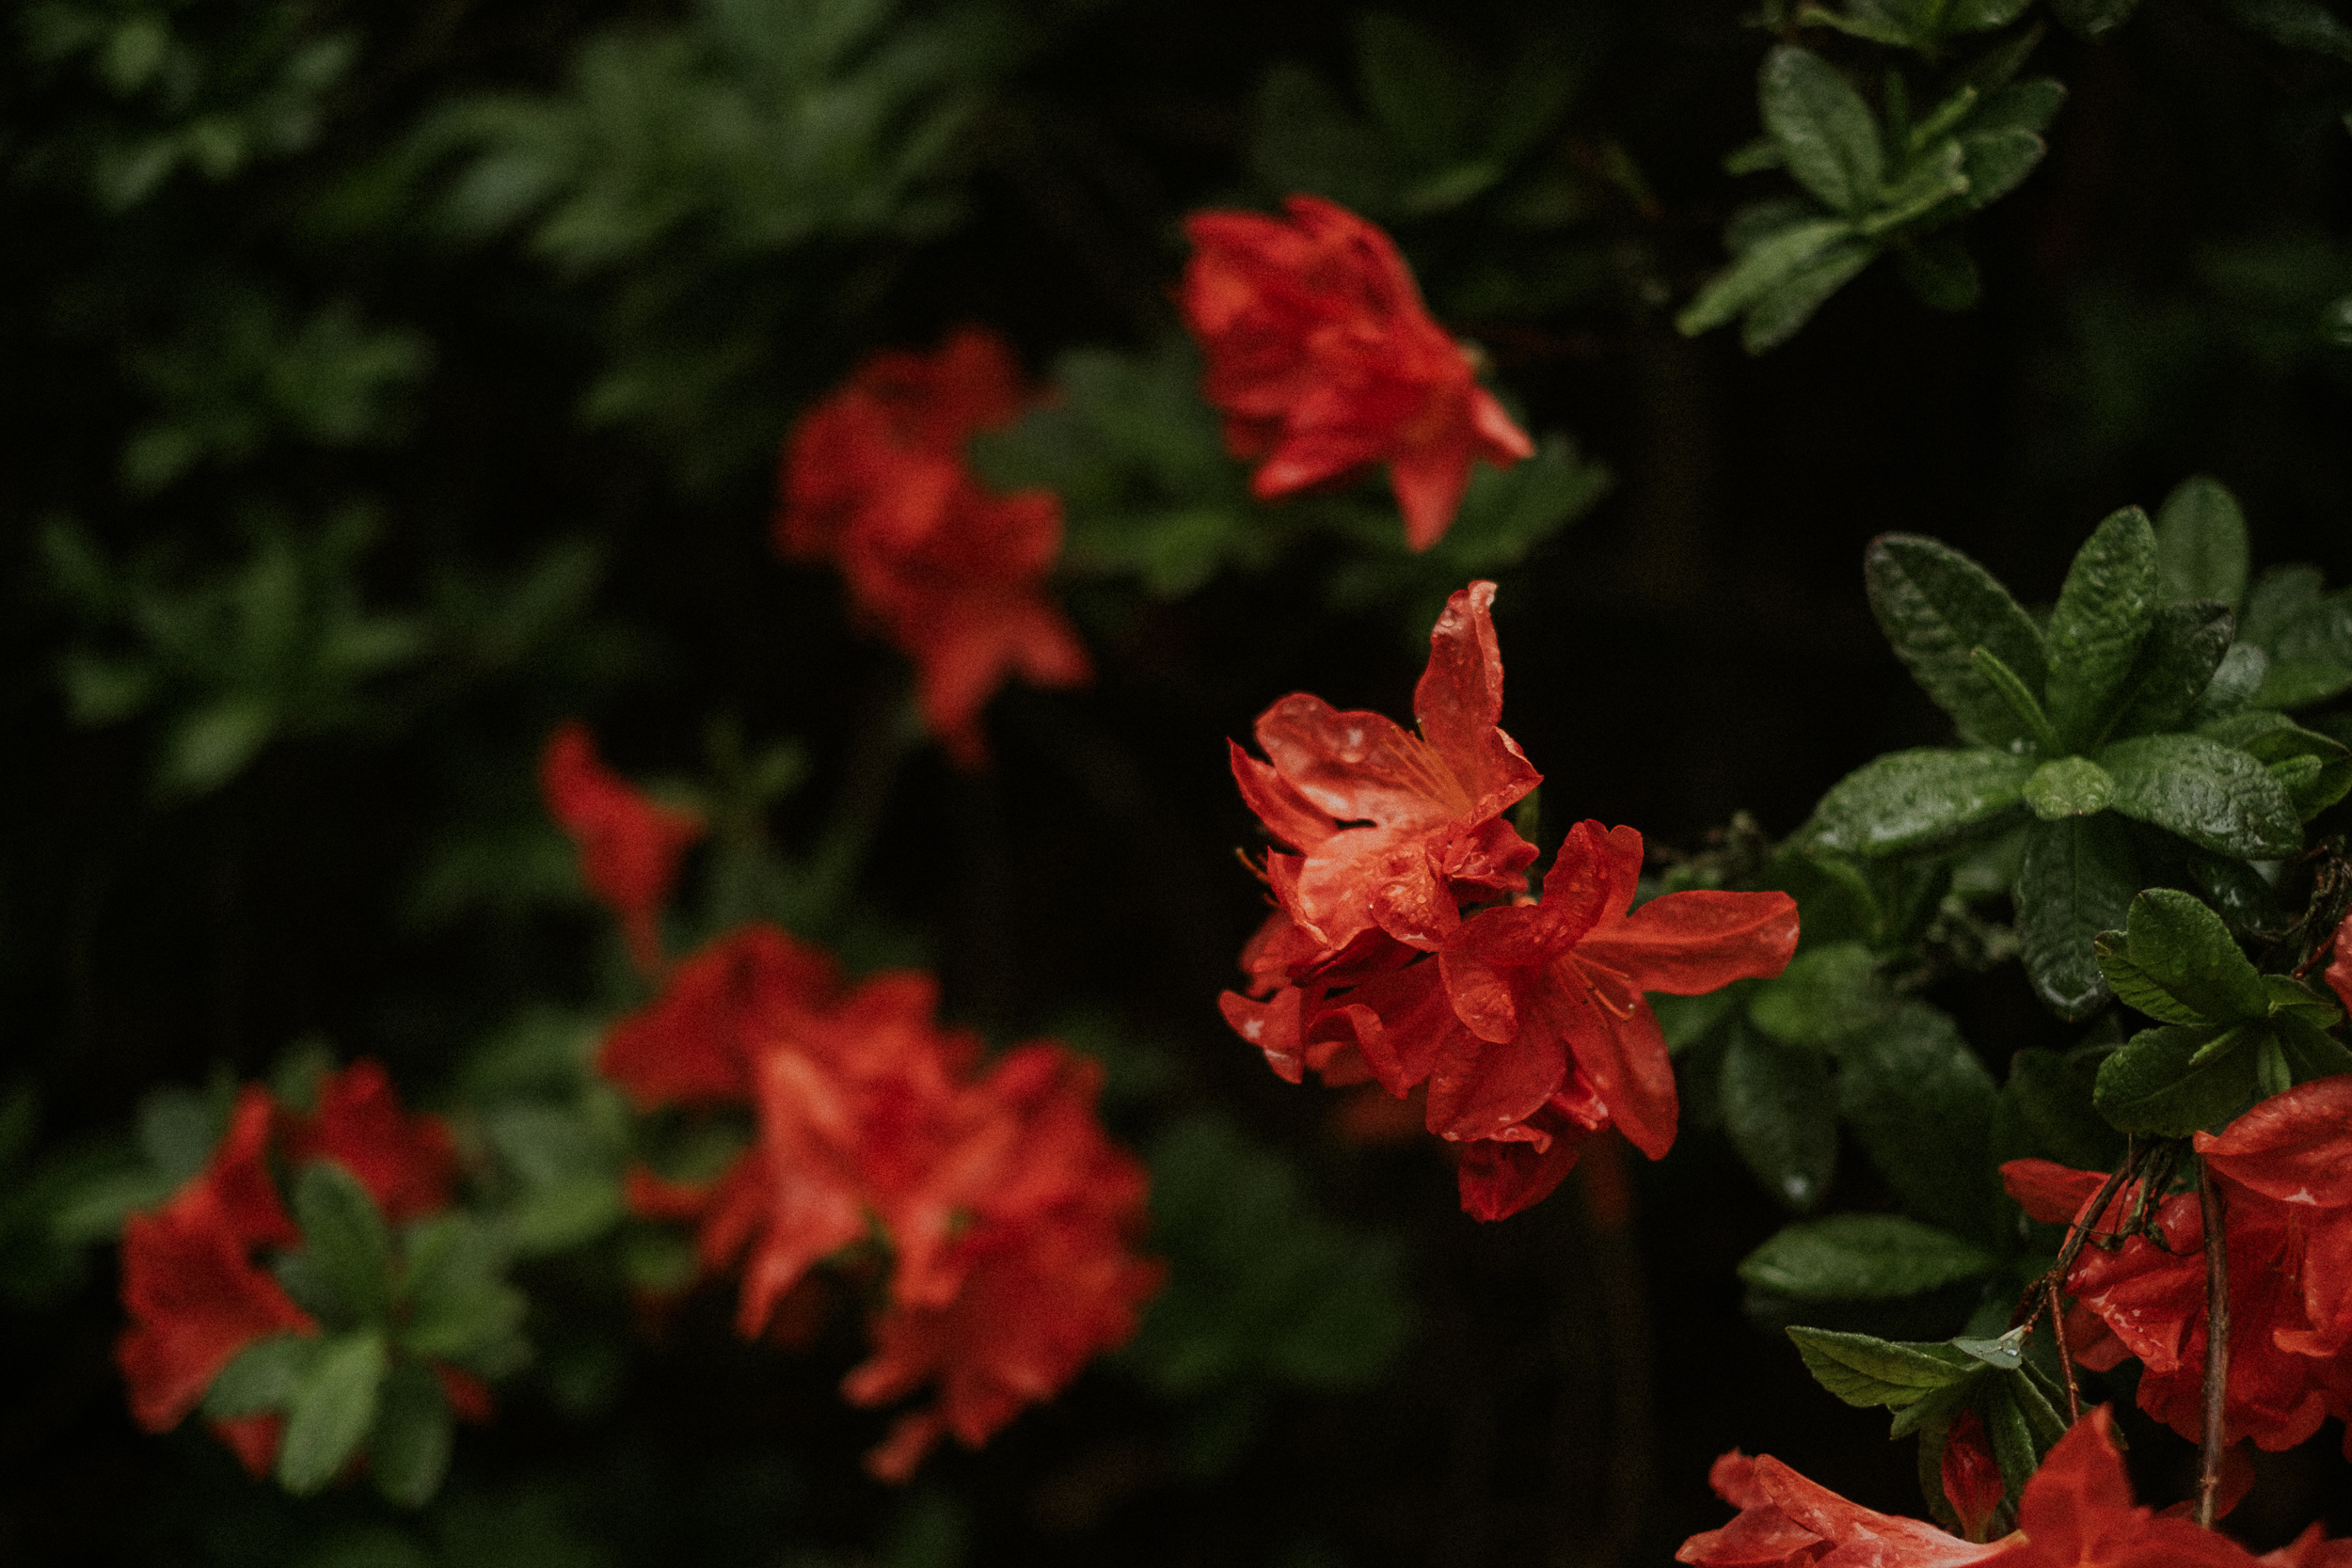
{"type": "Point", "coordinates": [1781, 1111]}
{"type": "Point", "coordinates": [1862, 1257]}
{"type": "Point", "coordinates": [2077, 878]}
{"type": "Point", "coordinates": [1921, 1104]}
{"type": "Point", "coordinates": [408, 1447]}
{"type": "Point", "coordinates": [1827, 134]}
{"type": "Point", "coordinates": [333, 1405]}
{"type": "Point", "coordinates": [2201, 551]}
{"type": "Point", "coordinates": [344, 1235]}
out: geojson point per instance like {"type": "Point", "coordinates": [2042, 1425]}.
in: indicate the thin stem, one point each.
{"type": "Point", "coordinates": [2217, 1342]}
{"type": "Point", "coordinates": [2066, 1354]}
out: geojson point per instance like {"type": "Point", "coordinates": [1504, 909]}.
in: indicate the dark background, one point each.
{"type": "Point", "coordinates": [1697, 646]}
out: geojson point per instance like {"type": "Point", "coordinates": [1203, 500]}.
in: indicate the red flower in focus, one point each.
{"type": "Point", "coordinates": [1043, 1277]}
{"type": "Point", "coordinates": [875, 479]}
{"type": "Point", "coordinates": [1560, 982]}
{"type": "Point", "coordinates": [1970, 1474]}
{"type": "Point", "coordinates": [630, 846]}
{"type": "Point", "coordinates": [195, 1298]}
{"type": "Point", "coordinates": [2147, 1302]}
{"type": "Point", "coordinates": [2076, 1512]}
{"type": "Point", "coordinates": [407, 1164]}
{"type": "Point", "coordinates": [1422, 813]}
{"type": "Point", "coordinates": [1323, 360]}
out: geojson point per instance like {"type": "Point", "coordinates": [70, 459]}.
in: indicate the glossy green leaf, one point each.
{"type": "Point", "coordinates": [1920, 800]}
{"type": "Point", "coordinates": [1863, 1257]}
{"type": "Point", "coordinates": [2051, 1092]}
{"type": "Point", "coordinates": [1826, 133]}
{"type": "Point", "coordinates": [2022, 701]}
{"type": "Point", "coordinates": [2309, 1050]}
{"type": "Point", "coordinates": [2077, 879]}
{"type": "Point", "coordinates": [2183, 947]}
{"type": "Point", "coordinates": [331, 1410]}
{"type": "Point", "coordinates": [1937, 606]}
{"type": "Point", "coordinates": [2313, 769]}
{"type": "Point", "coordinates": [2071, 787]}
{"type": "Point", "coordinates": [2201, 551]}
{"type": "Point", "coordinates": [1865, 1370]}
{"type": "Point", "coordinates": [2234, 685]}
{"type": "Point", "coordinates": [2102, 618]}
{"type": "Point", "coordinates": [2214, 795]}
{"type": "Point", "coordinates": [1827, 993]}
{"type": "Point", "coordinates": [2156, 1084]}
{"type": "Point", "coordinates": [2187, 642]}
{"type": "Point", "coordinates": [345, 1240]}
{"type": "Point", "coordinates": [1921, 1105]}
{"type": "Point", "coordinates": [410, 1447]}
{"type": "Point", "coordinates": [1781, 1113]}
{"type": "Point", "coordinates": [2294, 998]}
{"type": "Point", "coordinates": [2136, 987]}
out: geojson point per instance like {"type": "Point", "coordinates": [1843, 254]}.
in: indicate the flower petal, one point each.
{"type": "Point", "coordinates": [2295, 1148]}
{"type": "Point", "coordinates": [1458, 703]}
{"type": "Point", "coordinates": [1689, 943]}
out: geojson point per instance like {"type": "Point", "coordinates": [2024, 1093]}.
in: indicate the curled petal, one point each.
{"type": "Point", "coordinates": [1689, 943]}
{"type": "Point", "coordinates": [1460, 703]}
{"type": "Point", "coordinates": [2293, 1147]}
{"type": "Point", "coordinates": [1289, 815]}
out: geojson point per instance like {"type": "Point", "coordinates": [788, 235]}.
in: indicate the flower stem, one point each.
{"type": "Point", "coordinates": [2065, 1353]}
{"type": "Point", "coordinates": [2217, 1342]}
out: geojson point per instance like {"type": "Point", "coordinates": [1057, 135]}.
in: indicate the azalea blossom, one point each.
{"type": "Point", "coordinates": [875, 479]}
{"type": "Point", "coordinates": [629, 845]}
{"type": "Point", "coordinates": [2339, 970]}
{"type": "Point", "coordinates": [698, 1042]}
{"type": "Point", "coordinates": [2282, 1169]}
{"type": "Point", "coordinates": [409, 1164]}
{"type": "Point", "coordinates": [1323, 360]}
{"type": "Point", "coordinates": [2076, 1512]}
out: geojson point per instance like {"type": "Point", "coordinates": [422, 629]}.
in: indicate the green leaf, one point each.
{"type": "Point", "coordinates": [454, 1297]}
{"type": "Point", "coordinates": [2003, 1353]}
{"type": "Point", "coordinates": [410, 1447]}
{"type": "Point", "coordinates": [2214, 795]}
{"type": "Point", "coordinates": [2021, 700]}
{"type": "Point", "coordinates": [1780, 257]}
{"type": "Point", "coordinates": [1863, 1257]}
{"type": "Point", "coordinates": [263, 1377]}
{"type": "Point", "coordinates": [1920, 800]}
{"type": "Point", "coordinates": [2303, 25]}
{"type": "Point", "coordinates": [2102, 618]}
{"type": "Point", "coordinates": [2071, 787]}
{"type": "Point", "coordinates": [1412, 87]}
{"type": "Point", "coordinates": [344, 1236]}
{"type": "Point", "coordinates": [1940, 271]}
{"type": "Point", "coordinates": [2187, 642]}
{"type": "Point", "coordinates": [208, 747]}
{"type": "Point", "coordinates": [2314, 770]}
{"type": "Point", "coordinates": [332, 1408]}
{"type": "Point", "coordinates": [1781, 311]}
{"type": "Point", "coordinates": [2136, 987]}
{"type": "Point", "coordinates": [2307, 635]}
{"type": "Point", "coordinates": [2183, 947]}
{"type": "Point", "coordinates": [1937, 606]}
{"type": "Point", "coordinates": [1781, 1114]}
{"type": "Point", "coordinates": [2202, 552]}
{"type": "Point", "coordinates": [2094, 18]}
{"type": "Point", "coordinates": [2242, 670]}
{"type": "Point", "coordinates": [2077, 879]}
{"type": "Point", "coordinates": [1926, 185]}
{"type": "Point", "coordinates": [2019, 105]}
{"type": "Point", "coordinates": [1826, 995]}
{"type": "Point", "coordinates": [2156, 1085]}
{"type": "Point", "coordinates": [2309, 1050]}
{"type": "Point", "coordinates": [2051, 1091]}
{"type": "Point", "coordinates": [2293, 998]}
{"type": "Point", "coordinates": [1863, 1370]}
{"type": "Point", "coordinates": [1826, 132]}
{"type": "Point", "coordinates": [1921, 1104]}
{"type": "Point", "coordinates": [1997, 162]}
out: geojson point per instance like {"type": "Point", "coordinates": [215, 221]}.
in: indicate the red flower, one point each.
{"type": "Point", "coordinates": [2147, 1301]}
{"type": "Point", "coordinates": [196, 1301]}
{"type": "Point", "coordinates": [1553, 987]}
{"type": "Point", "coordinates": [630, 846]}
{"type": "Point", "coordinates": [1424, 812]}
{"type": "Point", "coordinates": [875, 479]}
{"type": "Point", "coordinates": [1971, 1475]}
{"type": "Point", "coordinates": [1324, 360]}
{"type": "Point", "coordinates": [2076, 1512]}
{"type": "Point", "coordinates": [407, 1164]}
{"type": "Point", "coordinates": [2339, 972]}
{"type": "Point", "coordinates": [1042, 1278]}
{"type": "Point", "coordinates": [239, 1174]}
{"type": "Point", "coordinates": [698, 1042]}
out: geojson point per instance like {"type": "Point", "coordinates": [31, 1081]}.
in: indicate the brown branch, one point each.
{"type": "Point", "coordinates": [2066, 1355]}
{"type": "Point", "coordinates": [2217, 1342]}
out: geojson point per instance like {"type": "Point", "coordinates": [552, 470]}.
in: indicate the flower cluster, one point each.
{"type": "Point", "coordinates": [2076, 1512]}
{"type": "Point", "coordinates": [192, 1283]}
{"type": "Point", "coordinates": [1403, 949]}
{"type": "Point", "coordinates": [1323, 360]}
{"type": "Point", "coordinates": [1006, 1214]}
{"type": "Point", "coordinates": [2285, 1174]}
{"type": "Point", "coordinates": [876, 480]}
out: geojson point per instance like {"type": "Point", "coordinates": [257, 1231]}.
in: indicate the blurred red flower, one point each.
{"type": "Point", "coordinates": [1323, 360]}
{"type": "Point", "coordinates": [409, 1164]}
{"type": "Point", "coordinates": [875, 479]}
{"type": "Point", "coordinates": [2148, 1301]}
{"type": "Point", "coordinates": [2339, 972]}
{"type": "Point", "coordinates": [194, 1295]}
{"type": "Point", "coordinates": [698, 1042]}
{"type": "Point", "coordinates": [629, 845]}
